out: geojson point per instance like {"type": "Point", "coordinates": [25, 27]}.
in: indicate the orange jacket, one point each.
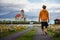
{"type": "Point", "coordinates": [44, 15]}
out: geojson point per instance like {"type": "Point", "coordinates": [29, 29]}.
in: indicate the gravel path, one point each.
{"type": "Point", "coordinates": [16, 35]}
{"type": "Point", "coordinates": [39, 35]}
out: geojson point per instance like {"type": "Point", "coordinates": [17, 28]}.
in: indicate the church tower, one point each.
{"type": "Point", "coordinates": [23, 15]}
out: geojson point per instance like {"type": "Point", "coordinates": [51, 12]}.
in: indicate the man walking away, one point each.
{"type": "Point", "coordinates": [44, 18]}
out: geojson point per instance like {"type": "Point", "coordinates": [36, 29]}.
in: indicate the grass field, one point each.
{"type": "Point", "coordinates": [9, 32]}
{"type": "Point", "coordinates": [55, 33]}
{"type": "Point", "coordinates": [56, 36]}
{"type": "Point", "coordinates": [28, 36]}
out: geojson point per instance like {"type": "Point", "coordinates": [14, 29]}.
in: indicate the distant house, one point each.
{"type": "Point", "coordinates": [20, 16]}
{"type": "Point", "coordinates": [57, 21]}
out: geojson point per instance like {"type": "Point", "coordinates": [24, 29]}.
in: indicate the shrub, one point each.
{"type": "Point", "coordinates": [57, 34]}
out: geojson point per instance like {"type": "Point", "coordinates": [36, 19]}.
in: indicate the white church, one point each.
{"type": "Point", "coordinates": [20, 16]}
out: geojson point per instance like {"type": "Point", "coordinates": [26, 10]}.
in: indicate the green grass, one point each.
{"type": "Point", "coordinates": [3, 34]}
{"type": "Point", "coordinates": [28, 36]}
{"type": "Point", "coordinates": [57, 38]}
{"type": "Point", "coordinates": [56, 35]}
{"type": "Point", "coordinates": [50, 33]}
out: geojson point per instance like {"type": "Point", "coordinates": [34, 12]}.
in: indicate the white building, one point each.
{"type": "Point", "coordinates": [20, 16]}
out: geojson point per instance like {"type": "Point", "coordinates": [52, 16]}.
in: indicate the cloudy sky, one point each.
{"type": "Point", "coordinates": [9, 8]}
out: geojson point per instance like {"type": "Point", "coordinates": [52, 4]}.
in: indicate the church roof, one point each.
{"type": "Point", "coordinates": [18, 15]}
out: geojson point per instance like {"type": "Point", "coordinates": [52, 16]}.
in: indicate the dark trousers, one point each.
{"type": "Point", "coordinates": [44, 24]}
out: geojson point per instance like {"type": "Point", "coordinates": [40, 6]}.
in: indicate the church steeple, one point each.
{"type": "Point", "coordinates": [23, 15]}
